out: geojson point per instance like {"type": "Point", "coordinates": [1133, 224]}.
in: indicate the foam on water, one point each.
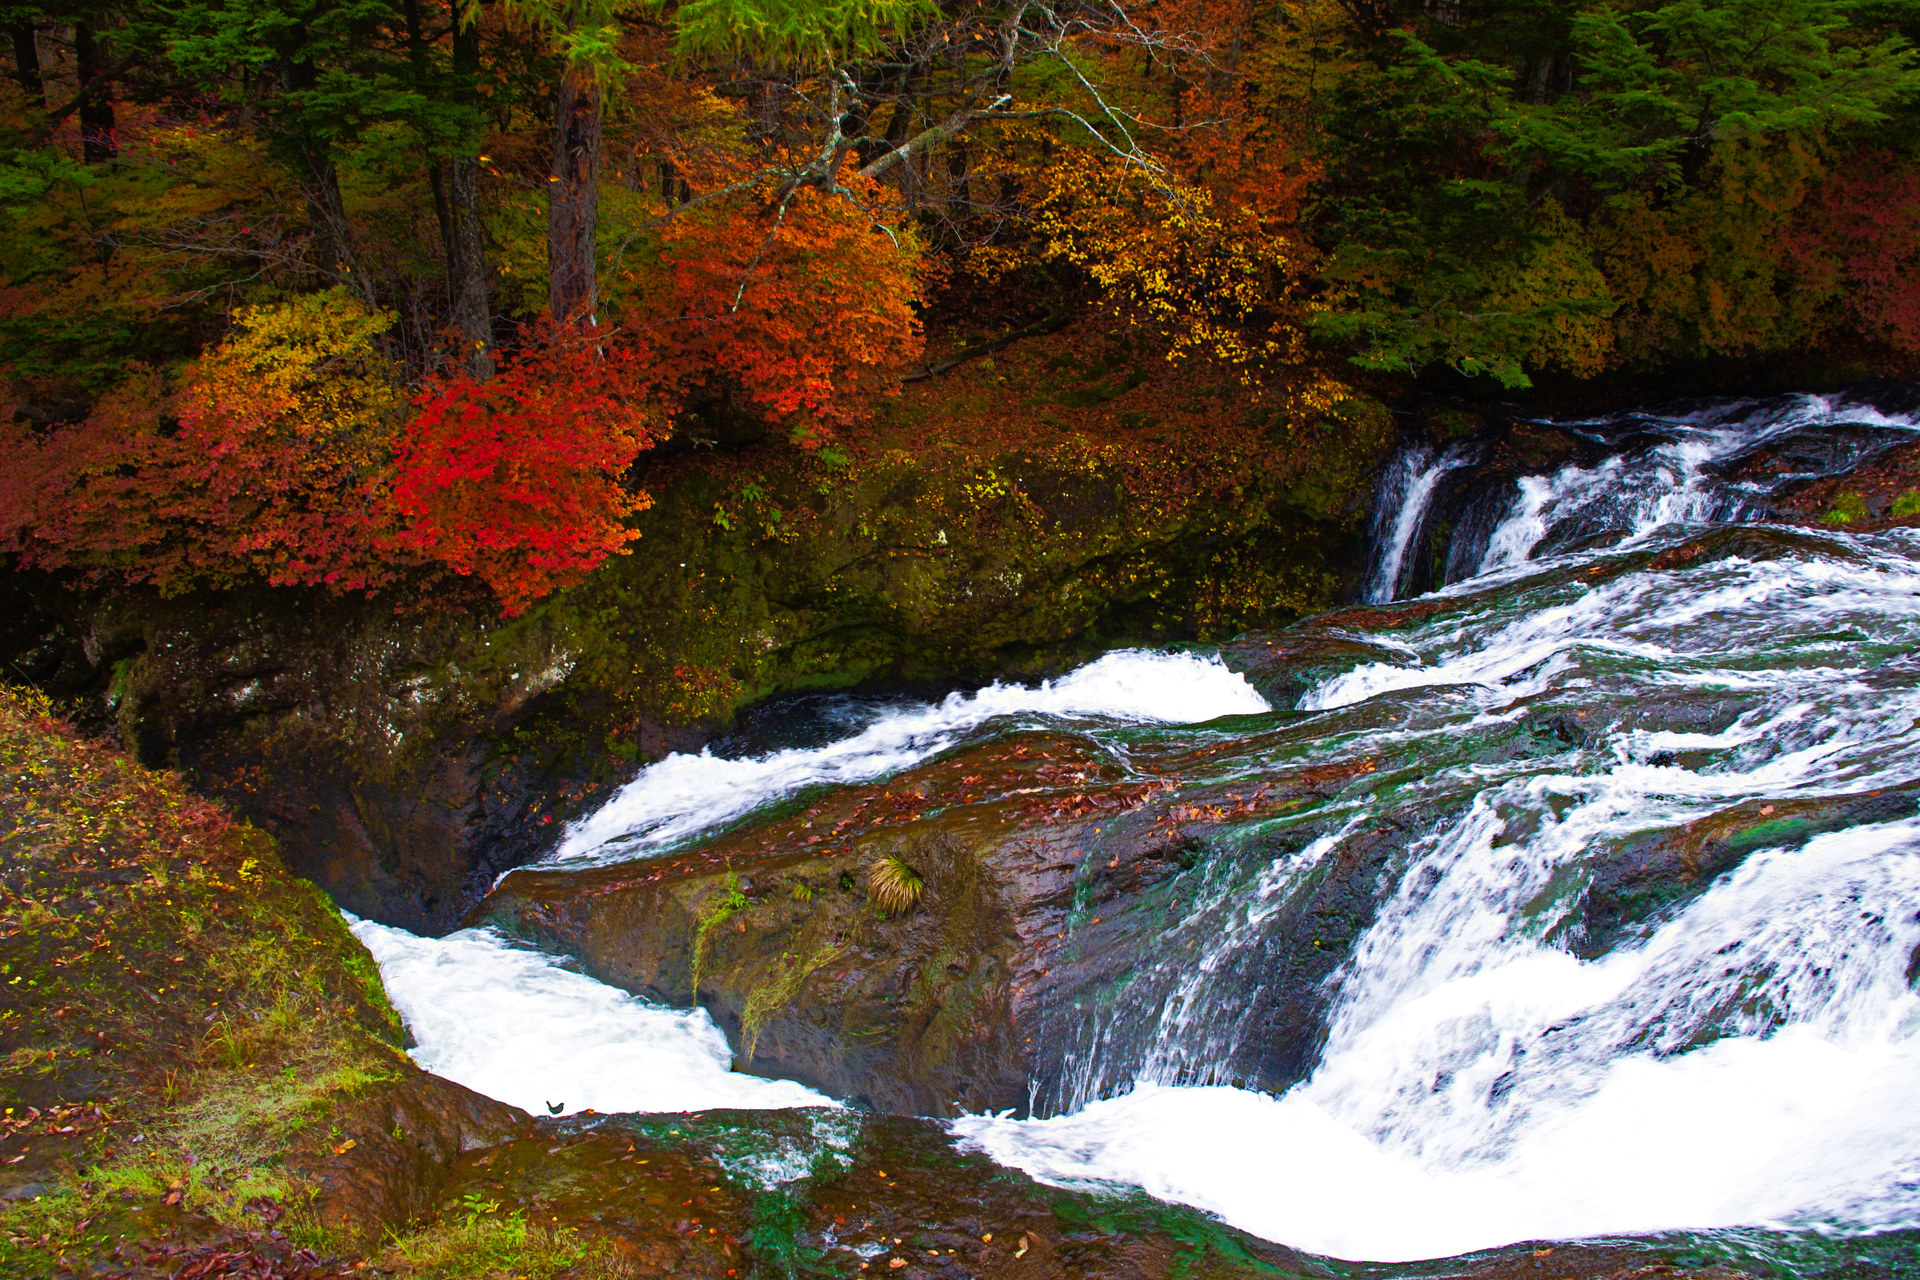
{"type": "Point", "coordinates": [1406, 492]}
{"type": "Point", "coordinates": [1669, 474]}
{"type": "Point", "coordinates": [1463, 1107]}
{"type": "Point", "coordinates": [685, 794]}
{"type": "Point", "coordinates": [1643, 615]}
{"type": "Point", "coordinates": [513, 1024]}
{"type": "Point", "coordinates": [1749, 1058]}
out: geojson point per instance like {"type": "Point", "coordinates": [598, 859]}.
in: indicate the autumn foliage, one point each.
{"type": "Point", "coordinates": [802, 303]}
{"type": "Point", "coordinates": [293, 329]}
{"type": "Point", "coordinates": [267, 456]}
{"type": "Point", "coordinates": [1861, 240]}
{"type": "Point", "coordinates": [292, 452]}
{"type": "Point", "coordinates": [518, 480]}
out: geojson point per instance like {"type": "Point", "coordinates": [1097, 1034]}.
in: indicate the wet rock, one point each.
{"type": "Point", "coordinates": [1048, 877]}
{"type": "Point", "coordinates": [407, 752]}
{"type": "Point", "coordinates": [698, 1195]}
{"type": "Point", "coordinates": [776, 932]}
{"type": "Point", "coordinates": [1752, 542]}
{"type": "Point", "coordinates": [1284, 665]}
{"type": "Point", "coordinates": [407, 1133]}
{"type": "Point", "coordinates": [1637, 881]}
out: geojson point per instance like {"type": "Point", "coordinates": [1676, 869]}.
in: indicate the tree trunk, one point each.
{"type": "Point", "coordinates": [326, 208]}
{"type": "Point", "coordinates": [573, 199]}
{"type": "Point", "coordinates": [473, 282]}
{"type": "Point", "coordinates": [97, 144]}
{"type": "Point", "coordinates": [473, 302]}
{"type": "Point", "coordinates": [333, 238]}
{"type": "Point", "coordinates": [420, 58]}
{"type": "Point", "coordinates": [26, 63]}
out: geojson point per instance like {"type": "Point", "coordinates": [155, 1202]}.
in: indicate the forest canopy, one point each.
{"type": "Point", "coordinates": [335, 292]}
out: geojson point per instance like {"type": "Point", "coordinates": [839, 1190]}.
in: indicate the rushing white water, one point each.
{"type": "Point", "coordinates": [1476, 1095]}
{"type": "Point", "coordinates": [1406, 494]}
{"type": "Point", "coordinates": [1750, 1057]}
{"type": "Point", "coordinates": [1633, 495]}
{"type": "Point", "coordinates": [685, 794]}
{"type": "Point", "coordinates": [1497, 1064]}
{"type": "Point", "coordinates": [515, 1025]}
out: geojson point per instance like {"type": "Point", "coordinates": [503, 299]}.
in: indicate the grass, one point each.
{"type": "Point", "coordinates": [895, 887]}
{"type": "Point", "coordinates": [715, 911]}
{"type": "Point", "coordinates": [210, 1011]}
{"type": "Point", "coordinates": [495, 1244]}
{"type": "Point", "coordinates": [1848, 508]}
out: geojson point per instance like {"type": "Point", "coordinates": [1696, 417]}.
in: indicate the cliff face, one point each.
{"type": "Point", "coordinates": [190, 1037]}
{"type": "Point", "coordinates": [406, 751]}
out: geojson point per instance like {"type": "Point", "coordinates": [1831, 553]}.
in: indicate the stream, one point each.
{"type": "Point", "coordinates": [1642, 949]}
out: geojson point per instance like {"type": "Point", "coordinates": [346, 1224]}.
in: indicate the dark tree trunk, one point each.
{"type": "Point", "coordinates": [97, 143]}
{"type": "Point", "coordinates": [443, 219]}
{"type": "Point", "coordinates": [333, 238]}
{"type": "Point", "coordinates": [421, 59]}
{"type": "Point", "coordinates": [26, 63]}
{"type": "Point", "coordinates": [473, 282]}
{"type": "Point", "coordinates": [473, 301]}
{"type": "Point", "coordinates": [326, 208]}
{"type": "Point", "coordinates": [573, 199]}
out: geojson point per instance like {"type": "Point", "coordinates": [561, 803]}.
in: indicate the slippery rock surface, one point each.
{"type": "Point", "coordinates": [1048, 871]}
{"type": "Point", "coordinates": [202, 1081]}
{"type": "Point", "coordinates": [187, 1029]}
{"type": "Point", "coordinates": [775, 930]}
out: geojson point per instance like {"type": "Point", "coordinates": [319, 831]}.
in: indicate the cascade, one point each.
{"type": "Point", "coordinates": [1407, 490]}
{"type": "Point", "coordinates": [1634, 801]}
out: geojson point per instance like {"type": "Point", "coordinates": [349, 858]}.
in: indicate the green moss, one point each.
{"type": "Point", "coordinates": [718, 907]}
{"type": "Point", "coordinates": [491, 1243]}
{"type": "Point", "coordinates": [1848, 508]}
{"type": "Point", "coordinates": [777, 991]}
{"type": "Point", "coordinates": [1202, 1245]}
{"type": "Point", "coordinates": [773, 1238]}
{"type": "Point", "coordinates": [197, 1014]}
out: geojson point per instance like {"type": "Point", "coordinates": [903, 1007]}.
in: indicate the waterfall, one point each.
{"type": "Point", "coordinates": [1501, 1056]}
{"type": "Point", "coordinates": [686, 795]}
{"type": "Point", "coordinates": [1400, 511]}
{"type": "Point", "coordinates": [517, 1025]}
{"type": "Point", "coordinates": [1596, 911]}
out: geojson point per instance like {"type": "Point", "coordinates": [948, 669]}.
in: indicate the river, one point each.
{"type": "Point", "coordinates": [1641, 956]}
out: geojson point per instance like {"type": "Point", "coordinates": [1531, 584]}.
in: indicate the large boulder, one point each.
{"type": "Point", "coordinates": [1052, 884]}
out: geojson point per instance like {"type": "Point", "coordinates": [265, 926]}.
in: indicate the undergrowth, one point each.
{"type": "Point", "coordinates": [183, 1018]}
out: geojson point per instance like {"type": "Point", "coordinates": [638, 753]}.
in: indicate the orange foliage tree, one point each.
{"type": "Point", "coordinates": [1860, 240]}
{"type": "Point", "coordinates": [287, 453]}
{"type": "Point", "coordinates": [267, 459]}
{"type": "Point", "coordinates": [806, 307]}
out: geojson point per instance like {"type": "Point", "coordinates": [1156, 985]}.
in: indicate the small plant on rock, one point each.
{"type": "Point", "coordinates": [1848, 508]}
{"type": "Point", "coordinates": [476, 1206]}
{"type": "Point", "coordinates": [894, 886]}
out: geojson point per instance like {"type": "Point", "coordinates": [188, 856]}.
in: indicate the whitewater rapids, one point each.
{"type": "Point", "coordinates": [1747, 1056]}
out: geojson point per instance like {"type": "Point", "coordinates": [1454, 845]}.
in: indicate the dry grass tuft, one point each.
{"type": "Point", "coordinates": [894, 886]}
